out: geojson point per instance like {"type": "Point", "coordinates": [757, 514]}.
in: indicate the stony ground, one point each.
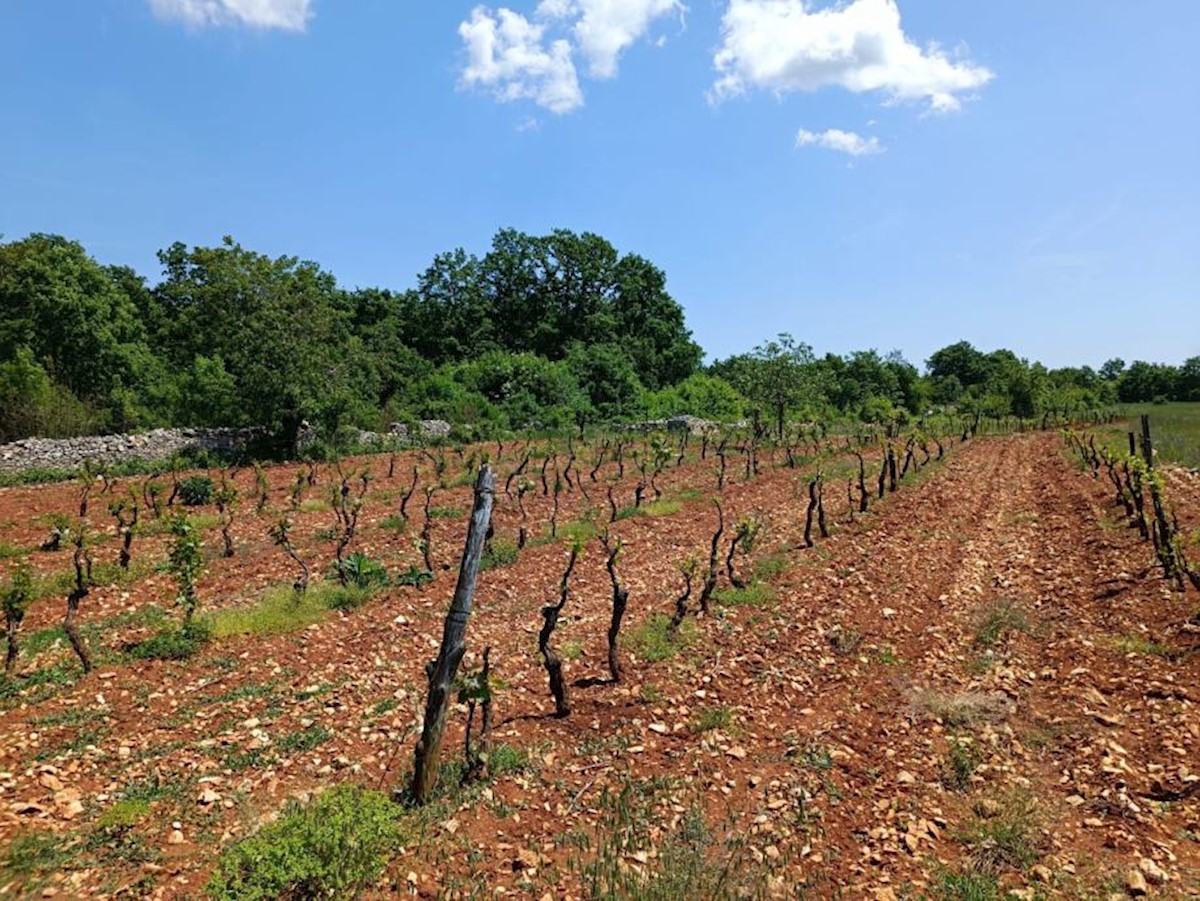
{"type": "Point", "coordinates": [983, 675]}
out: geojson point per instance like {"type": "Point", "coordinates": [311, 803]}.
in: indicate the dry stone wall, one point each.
{"type": "Point", "coordinates": [72, 453]}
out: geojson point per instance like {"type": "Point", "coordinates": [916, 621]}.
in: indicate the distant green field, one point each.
{"type": "Point", "coordinates": [1175, 429]}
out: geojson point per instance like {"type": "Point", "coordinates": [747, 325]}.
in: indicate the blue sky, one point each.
{"type": "Point", "coordinates": [861, 174]}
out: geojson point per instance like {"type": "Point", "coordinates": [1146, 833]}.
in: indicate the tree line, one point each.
{"type": "Point", "coordinates": [540, 332]}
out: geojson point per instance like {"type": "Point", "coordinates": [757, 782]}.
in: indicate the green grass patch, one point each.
{"type": "Point", "coordinates": [662, 508]}
{"type": "Point", "coordinates": [505, 760]}
{"type": "Point", "coordinates": [996, 620]}
{"type": "Point", "coordinates": [280, 611]}
{"type": "Point", "coordinates": [394, 523]}
{"type": "Point", "coordinates": [9, 551]}
{"type": "Point", "coordinates": [654, 640]}
{"type": "Point", "coordinates": [447, 513]}
{"type": "Point", "coordinates": [965, 886]}
{"type": "Point", "coordinates": [498, 554]}
{"type": "Point", "coordinates": [305, 740]}
{"type": "Point", "coordinates": [756, 594]}
{"type": "Point", "coordinates": [712, 718]}
{"type": "Point", "coordinates": [1174, 427]}
{"type": "Point", "coordinates": [1144, 647]}
{"type": "Point", "coordinates": [124, 814]}
{"type": "Point", "coordinates": [1007, 839]}
{"type": "Point", "coordinates": [770, 568]}
{"type": "Point", "coordinates": [172, 644]}
{"type": "Point", "coordinates": [334, 847]}
{"type": "Point", "coordinates": [581, 530]}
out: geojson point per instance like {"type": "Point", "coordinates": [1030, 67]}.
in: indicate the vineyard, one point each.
{"type": "Point", "coordinates": [960, 663]}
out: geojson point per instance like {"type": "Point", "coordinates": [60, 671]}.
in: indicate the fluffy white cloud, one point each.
{"type": "Point", "coordinates": [511, 55]}
{"type": "Point", "coordinates": [788, 45]}
{"type": "Point", "coordinates": [507, 55]}
{"type": "Point", "coordinates": [841, 141]}
{"type": "Point", "coordinates": [288, 15]}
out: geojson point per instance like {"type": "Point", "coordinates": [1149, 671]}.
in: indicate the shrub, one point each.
{"type": "Point", "coordinates": [332, 848]}
{"type": "Point", "coordinates": [196, 491]}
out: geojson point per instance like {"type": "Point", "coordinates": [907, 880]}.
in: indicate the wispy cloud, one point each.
{"type": "Point", "coordinates": [842, 141]}
{"type": "Point", "coordinates": [286, 15]}
{"type": "Point", "coordinates": [787, 45]}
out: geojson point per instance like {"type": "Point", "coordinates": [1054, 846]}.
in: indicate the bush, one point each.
{"type": "Point", "coordinates": [332, 848]}
{"type": "Point", "coordinates": [196, 491]}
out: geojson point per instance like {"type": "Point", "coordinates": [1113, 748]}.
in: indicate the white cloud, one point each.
{"type": "Point", "coordinates": [787, 45]}
{"type": "Point", "coordinates": [506, 54]}
{"type": "Point", "coordinates": [605, 28]}
{"type": "Point", "coordinates": [512, 56]}
{"type": "Point", "coordinates": [841, 141]}
{"type": "Point", "coordinates": [288, 15]}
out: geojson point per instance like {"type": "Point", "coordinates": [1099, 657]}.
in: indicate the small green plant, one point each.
{"type": "Point", "coordinates": [498, 554]}
{"type": "Point", "coordinates": [185, 560]}
{"type": "Point", "coordinates": [334, 847]}
{"type": "Point", "coordinates": [711, 719]}
{"type": "Point", "coordinates": [17, 597]}
{"type": "Point", "coordinates": [60, 532]}
{"type": "Point", "coordinates": [196, 491]}
{"type": "Point", "coordinates": [357, 570]}
{"type": "Point", "coordinates": [961, 761]}
{"type": "Point", "coordinates": [414, 577]}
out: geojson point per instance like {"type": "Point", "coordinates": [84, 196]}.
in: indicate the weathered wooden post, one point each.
{"type": "Point", "coordinates": [450, 655]}
{"type": "Point", "coordinates": [1147, 443]}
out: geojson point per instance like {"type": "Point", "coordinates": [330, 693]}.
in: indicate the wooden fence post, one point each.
{"type": "Point", "coordinates": [450, 655]}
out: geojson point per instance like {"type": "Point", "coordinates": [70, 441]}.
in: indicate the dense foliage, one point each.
{"type": "Point", "coordinates": [547, 332]}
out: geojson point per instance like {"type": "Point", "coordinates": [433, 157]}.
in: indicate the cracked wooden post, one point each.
{"type": "Point", "coordinates": [443, 670]}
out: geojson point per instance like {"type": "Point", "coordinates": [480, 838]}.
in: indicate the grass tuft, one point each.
{"type": "Point", "coordinates": [654, 640]}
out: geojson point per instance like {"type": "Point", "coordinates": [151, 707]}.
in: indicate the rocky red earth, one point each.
{"type": "Point", "coordinates": [982, 684]}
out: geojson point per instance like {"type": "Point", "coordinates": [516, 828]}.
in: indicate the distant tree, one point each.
{"type": "Point", "coordinates": [1188, 380]}
{"type": "Point", "coordinates": [960, 361]}
{"type": "Point", "coordinates": [779, 376]}
{"type": "Point", "coordinates": [1144, 382]}
{"type": "Point", "coordinates": [1112, 369]}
